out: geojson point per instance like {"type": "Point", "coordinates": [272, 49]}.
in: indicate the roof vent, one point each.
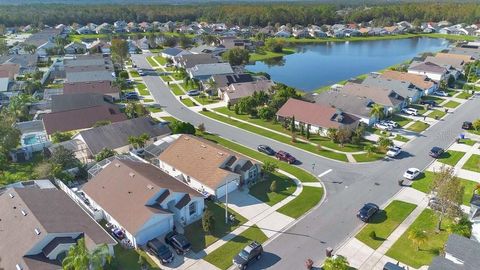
{"type": "Point", "coordinates": [37, 231]}
{"type": "Point", "coordinates": [220, 153]}
{"type": "Point", "coordinates": [203, 146]}
{"type": "Point", "coordinates": [149, 186]}
{"type": "Point", "coordinates": [117, 165]}
{"type": "Point", "coordinates": [24, 213]}
{"type": "Point", "coordinates": [131, 174]}
{"type": "Point", "coordinates": [11, 195]}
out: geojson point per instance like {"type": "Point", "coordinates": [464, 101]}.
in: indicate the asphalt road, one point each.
{"type": "Point", "coordinates": [348, 186]}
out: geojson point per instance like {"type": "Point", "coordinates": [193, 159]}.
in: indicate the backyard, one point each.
{"type": "Point", "coordinates": [16, 172]}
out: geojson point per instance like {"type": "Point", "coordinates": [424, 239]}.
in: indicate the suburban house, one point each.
{"type": "Point", "coordinates": [206, 167]}
{"type": "Point", "coordinates": [43, 40]}
{"type": "Point", "coordinates": [75, 48]}
{"type": "Point", "coordinates": [387, 98]}
{"type": "Point", "coordinates": [461, 253]}
{"type": "Point", "coordinates": [283, 34]}
{"type": "Point", "coordinates": [142, 200]}
{"type": "Point", "coordinates": [88, 68]}
{"type": "Point", "coordinates": [115, 135]}
{"type": "Point", "coordinates": [453, 65]}
{"type": "Point", "coordinates": [354, 105]}
{"type": "Point", "coordinates": [27, 63]}
{"type": "Point", "coordinates": [205, 71]}
{"type": "Point", "coordinates": [407, 90]}
{"type": "Point", "coordinates": [39, 223]}
{"type": "Point", "coordinates": [474, 216]}
{"type": "Point", "coordinates": [226, 80]}
{"type": "Point", "coordinates": [317, 117]}
{"type": "Point", "coordinates": [469, 51]}
{"type": "Point", "coordinates": [106, 88]}
{"type": "Point", "coordinates": [236, 91]}
{"type": "Point", "coordinates": [68, 102]}
{"type": "Point", "coordinates": [235, 42]}
{"type": "Point", "coordinates": [429, 69]}
{"type": "Point", "coordinates": [208, 49]}
{"type": "Point", "coordinates": [79, 119]}
{"type": "Point", "coordinates": [421, 81]}
{"type": "Point", "coordinates": [173, 52]}
{"type": "Point", "coordinates": [191, 60]}
{"type": "Point", "coordinates": [464, 58]}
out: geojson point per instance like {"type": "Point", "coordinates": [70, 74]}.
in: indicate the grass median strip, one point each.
{"type": "Point", "coordinates": [142, 89]}
{"type": "Point", "coordinates": [436, 114]}
{"type": "Point", "coordinates": [384, 222]}
{"type": "Point", "coordinates": [464, 95]}
{"type": "Point", "coordinates": [188, 102]}
{"type": "Point", "coordinates": [151, 61]}
{"type": "Point", "coordinates": [161, 60]}
{"type": "Point", "coordinates": [451, 157]}
{"type": "Point", "coordinates": [284, 139]}
{"type": "Point", "coordinates": [368, 157]}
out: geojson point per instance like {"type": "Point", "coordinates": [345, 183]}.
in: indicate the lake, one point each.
{"type": "Point", "coordinates": [317, 65]}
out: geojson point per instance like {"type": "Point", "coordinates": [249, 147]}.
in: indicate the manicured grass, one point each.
{"type": "Point", "coordinates": [127, 259]}
{"type": "Point", "coordinates": [401, 121]}
{"type": "Point", "coordinates": [451, 157]}
{"type": "Point", "coordinates": [169, 118]}
{"type": "Point", "coordinates": [473, 164]}
{"type": "Point", "coordinates": [405, 251]}
{"type": "Point", "coordinates": [166, 78]}
{"type": "Point", "coordinates": [151, 62]}
{"type": "Point", "coordinates": [368, 158]}
{"type": "Point", "coordinates": [223, 256]}
{"type": "Point", "coordinates": [177, 76]}
{"type": "Point", "coordinates": [261, 190]}
{"type": "Point", "coordinates": [16, 172]}
{"type": "Point", "coordinates": [188, 102]}
{"type": "Point", "coordinates": [199, 239]}
{"type": "Point", "coordinates": [259, 56]}
{"type": "Point", "coordinates": [278, 137]}
{"type": "Point", "coordinates": [142, 89]}
{"type": "Point", "coordinates": [160, 60]}
{"type": "Point", "coordinates": [134, 74]}
{"type": "Point", "coordinates": [401, 138]}
{"type": "Point", "coordinates": [451, 104]}
{"type": "Point", "coordinates": [421, 109]}
{"type": "Point", "coordinates": [309, 197]}
{"type": "Point", "coordinates": [418, 126]}
{"type": "Point", "coordinates": [434, 98]}
{"type": "Point", "coordinates": [148, 100]}
{"type": "Point", "coordinates": [177, 91]}
{"type": "Point", "coordinates": [384, 222]}
{"type": "Point", "coordinates": [464, 95]}
{"type": "Point", "coordinates": [436, 114]}
{"type": "Point", "coordinates": [154, 109]}
{"type": "Point", "coordinates": [206, 100]}
{"type": "Point", "coordinates": [469, 142]}
{"type": "Point", "coordinates": [189, 86]}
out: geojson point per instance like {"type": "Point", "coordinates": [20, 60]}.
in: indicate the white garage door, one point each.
{"type": "Point", "coordinates": [231, 187]}
{"type": "Point", "coordinates": [160, 228]}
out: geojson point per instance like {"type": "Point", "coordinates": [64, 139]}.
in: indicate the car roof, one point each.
{"type": "Point", "coordinates": [436, 148]}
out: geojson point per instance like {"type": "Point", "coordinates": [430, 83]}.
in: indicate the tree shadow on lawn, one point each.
{"type": "Point", "coordinates": [445, 155]}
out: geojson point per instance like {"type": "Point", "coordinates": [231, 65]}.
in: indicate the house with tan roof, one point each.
{"type": "Point", "coordinates": [38, 225]}
{"type": "Point", "coordinates": [420, 81]}
{"type": "Point", "coordinates": [385, 97]}
{"type": "Point", "coordinates": [207, 167]}
{"type": "Point", "coordinates": [236, 91]}
{"type": "Point", "coordinates": [465, 58]}
{"type": "Point", "coordinates": [142, 200]}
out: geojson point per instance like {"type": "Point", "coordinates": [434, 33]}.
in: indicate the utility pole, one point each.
{"type": "Point", "coordinates": [226, 201]}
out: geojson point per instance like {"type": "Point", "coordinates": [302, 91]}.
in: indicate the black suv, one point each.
{"type": "Point", "coordinates": [367, 211]}
{"type": "Point", "coordinates": [428, 102]}
{"type": "Point", "coordinates": [178, 242]}
{"type": "Point", "coordinates": [436, 152]}
{"type": "Point", "coordinates": [248, 254]}
{"type": "Point", "coordinates": [160, 250]}
{"type": "Point", "coordinates": [266, 150]}
{"type": "Point", "coordinates": [467, 125]}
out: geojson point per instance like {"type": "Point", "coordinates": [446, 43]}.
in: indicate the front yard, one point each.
{"type": "Point", "coordinates": [199, 239]}
{"type": "Point", "coordinates": [261, 190]}
{"type": "Point", "coordinates": [401, 121]}
{"type": "Point", "coordinates": [166, 78]}
{"type": "Point", "coordinates": [160, 60]}
{"type": "Point", "coordinates": [384, 222]}
{"type": "Point", "coordinates": [134, 74]}
{"type": "Point", "coordinates": [309, 197]}
{"type": "Point", "coordinates": [451, 104]}
{"type": "Point", "coordinates": [176, 90]}
{"type": "Point", "coordinates": [365, 157]}
{"type": "Point", "coordinates": [473, 164]}
{"type": "Point", "coordinates": [127, 259]}
{"type": "Point", "coordinates": [142, 89]}
{"type": "Point", "coordinates": [451, 157]}
{"type": "Point", "coordinates": [436, 114]}
{"type": "Point", "coordinates": [418, 126]}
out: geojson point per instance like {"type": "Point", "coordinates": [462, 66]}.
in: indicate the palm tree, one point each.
{"type": "Point", "coordinates": [133, 140]}
{"type": "Point", "coordinates": [142, 139]}
{"type": "Point", "coordinates": [336, 263]}
{"type": "Point", "coordinates": [384, 143]}
{"type": "Point", "coordinates": [79, 258]}
{"type": "Point", "coordinates": [377, 111]}
{"type": "Point", "coordinates": [418, 237]}
{"type": "Point", "coordinates": [370, 149]}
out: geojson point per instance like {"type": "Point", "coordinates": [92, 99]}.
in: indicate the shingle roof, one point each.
{"type": "Point", "coordinates": [172, 51]}
{"type": "Point", "coordinates": [348, 103]}
{"type": "Point", "coordinates": [62, 103]}
{"type": "Point", "coordinates": [90, 76]}
{"type": "Point", "coordinates": [123, 188]}
{"type": "Point", "coordinates": [191, 60]}
{"type": "Point", "coordinates": [116, 134]}
{"type": "Point", "coordinates": [240, 90]}
{"type": "Point", "coordinates": [464, 250]}
{"type": "Point", "coordinates": [99, 87]}
{"type": "Point", "coordinates": [403, 88]}
{"type": "Point", "coordinates": [378, 95]}
{"type": "Point", "coordinates": [446, 61]}
{"type": "Point", "coordinates": [466, 58]}
{"type": "Point", "coordinates": [210, 69]}
{"type": "Point", "coordinates": [225, 80]}
{"type": "Point", "coordinates": [427, 67]}
{"type": "Point", "coordinates": [420, 81]}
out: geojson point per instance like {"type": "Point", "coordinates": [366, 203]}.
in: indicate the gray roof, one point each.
{"type": "Point", "coordinates": [42, 37]}
{"type": "Point", "coordinates": [24, 60]}
{"type": "Point", "coordinates": [172, 51]}
{"type": "Point", "coordinates": [225, 80]}
{"type": "Point", "coordinates": [210, 69]}
{"type": "Point", "coordinates": [464, 250]}
{"type": "Point", "coordinates": [427, 67]}
{"type": "Point", "coordinates": [116, 134]}
{"type": "Point", "coordinates": [88, 60]}
{"type": "Point", "coordinates": [90, 76]}
{"type": "Point", "coordinates": [356, 105]}
{"type": "Point", "coordinates": [190, 60]}
{"type": "Point", "coordinates": [440, 263]}
{"type": "Point", "coordinates": [76, 101]}
{"type": "Point", "coordinates": [30, 126]}
{"type": "Point", "coordinates": [403, 88]}
{"type": "Point", "coordinates": [475, 53]}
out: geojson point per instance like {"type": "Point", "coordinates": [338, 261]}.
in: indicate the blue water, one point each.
{"type": "Point", "coordinates": [317, 65]}
{"type": "Point", "coordinates": [31, 139]}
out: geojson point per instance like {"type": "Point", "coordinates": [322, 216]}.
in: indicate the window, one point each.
{"type": "Point", "coordinates": [192, 208]}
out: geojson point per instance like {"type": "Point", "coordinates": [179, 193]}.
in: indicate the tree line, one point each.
{"type": "Point", "coordinates": [245, 14]}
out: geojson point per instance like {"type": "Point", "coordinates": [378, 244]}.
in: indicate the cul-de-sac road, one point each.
{"type": "Point", "coordinates": [348, 185]}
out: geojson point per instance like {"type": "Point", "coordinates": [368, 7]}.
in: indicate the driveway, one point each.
{"type": "Point", "coordinates": [348, 186]}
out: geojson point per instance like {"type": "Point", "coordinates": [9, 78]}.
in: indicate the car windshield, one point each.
{"type": "Point", "coordinates": [244, 254]}
{"type": "Point", "coordinates": [410, 172]}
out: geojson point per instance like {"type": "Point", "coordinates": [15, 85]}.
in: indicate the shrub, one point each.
{"type": "Point", "coordinates": [372, 235]}
{"type": "Point", "coordinates": [208, 221]}
{"type": "Point", "coordinates": [273, 186]}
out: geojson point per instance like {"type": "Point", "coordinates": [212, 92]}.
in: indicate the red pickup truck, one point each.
{"type": "Point", "coordinates": [284, 156]}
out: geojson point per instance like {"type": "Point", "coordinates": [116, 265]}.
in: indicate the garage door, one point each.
{"type": "Point", "coordinates": [161, 227]}
{"type": "Point", "coordinates": [231, 187]}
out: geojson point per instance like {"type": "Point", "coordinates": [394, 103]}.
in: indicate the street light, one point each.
{"type": "Point", "coordinates": [226, 201]}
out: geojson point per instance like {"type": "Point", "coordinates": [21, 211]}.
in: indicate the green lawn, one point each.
{"type": "Point", "coordinates": [166, 78]}
{"type": "Point", "coordinates": [401, 121]}
{"type": "Point", "coordinates": [148, 100]}
{"type": "Point", "coordinates": [206, 100]}
{"type": "Point", "coordinates": [177, 91]}
{"type": "Point", "coordinates": [127, 259]}
{"type": "Point", "coordinates": [261, 190]}
{"type": "Point", "coordinates": [160, 60]}
{"type": "Point", "coordinates": [368, 158]}
{"type": "Point", "coordinates": [451, 104]}
{"type": "Point", "coordinates": [434, 98]}
{"type": "Point", "coordinates": [421, 109]}
{"type": "Point", "coordinates": [278, 137]}
{"type": "Point", "coordinates": [177, 76]}
{"type": "Point", "coordinates": [473, 164]}
{"type": "Point", "coordinates": [142, 89]}
{"type": "Point", "coordinates": [451, 157]}
{"type": "Point", "coordinates": [436, 114]}
{"type": "Point", "coordinates": [151, 62]}
{"type": "Point", "coordinates": [134, 74]}
{"type": "Point", "coordinates": [406, 252]}
{"type": "Point", "coordinates": [401, 138]}
{"type": "Point", "coordinates": [268, 54]}
{"type": "Point", "coordinates": [199, 239]}
{"type": "Point", "coordinates": [154, 109]}
{"type": "Point", "coordinates": [309, 197]}
{"type": "Point", "coordinates": [16, 172]}
{"type": "Point", "coordinates": [188, 102]}
{"type": "Point", "coordinates": [223, 256]}
{"type": "Point", "coordinates": [468, 142]}
{"type": "Point", "coordinates": [189, 86]}
{"type": "Point", "coordinates": [418, 126]}
{"type": "Point", "coordinates": [464, 95]}
{"type": "Point", "coordinates": [168, 118]}
{"type": "Point", "coordinates": [384, 222]}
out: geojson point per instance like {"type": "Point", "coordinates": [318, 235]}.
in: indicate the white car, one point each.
{"type": "Point", "coordinates": [441, 93]}
{"type": "Point", "coordinates": [383, 126]}
{"type": "Point", "coordinates": [410, 111]}
{"type": "Point", "coordinates": [411, 173]}
{"type": "Point", "coordinates": [391, 123]}
{"type": "Point", "coordinates": [394, 151]}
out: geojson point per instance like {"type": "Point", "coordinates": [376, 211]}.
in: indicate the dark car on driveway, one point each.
{"type": "Point", "coordinates": [428, 102]}
{"type": "Point", "coordinates": [367, 211]}
{"type": "Point", "coordinates": [250, 253]}
{"type": "Point", "coordinates": [284, 156]}
{"type": "Point", "coordinates": [436, 152]}
{"type": "Point", "coordinates": [178, 242]}
{"type": "Point", "coordinates": [266, 150]}
{"type": "Point", "coordinates": [160, 250]}
{"type": "Point", "coordinates": [467, 125]}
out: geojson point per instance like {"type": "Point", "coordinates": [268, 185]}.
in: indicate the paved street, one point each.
{"type": "Point", "coordinates": [348, 186]}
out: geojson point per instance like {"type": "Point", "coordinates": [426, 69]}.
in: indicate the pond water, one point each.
{"type": "Point", "coordinates": [317, 65]}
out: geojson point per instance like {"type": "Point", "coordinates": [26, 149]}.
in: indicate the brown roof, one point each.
{"type": "Point", "coordinates": [80, 118]}
{"type": "Point", "coordinates": [421, 81]}
{"type": "Point", "coordinates": [318, 115]}
{"type": "Point", "coordinates": [446, 61]}
{"type": "Point", "coordinates": [427, 67]}
{"type": "Point", "coordinates": [200, 159]}
{"type": "Point", "coordinates": [466, 58]}
{"type": "Point", "coordinates": [98, 87]}
{"type": "Point", "coordinates": [236, 91]}
{"type": "Point", "coordinates": [49, 211]}
{"type": "Point", "coordinates": [378, 95]}
{"type": "Point", "coordinates": [11, 69]}
{"type": "Point", "coordinates": [123, 188]}
{"type": "Point", "coordinates": [85, 68]}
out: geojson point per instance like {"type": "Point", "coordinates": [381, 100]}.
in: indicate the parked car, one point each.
{"type": "Point", "coordinates": [266, 150]}
{"type": "Point", "coordinates": [383, 126]}
{"type": "Point", "coordinates": [428, 102]}
{"type": "Point", "coordinates": [411, 173]}
{"type": "Point", "coordinates": [131, 96]}
{"type": "Point", "coordinates": [392, 266]}
{"type": "Point", "coordinates": [391, 123]}
{"type": "Point", "coordinates": [250, 253]}
{"type": "Point", "coordinates": [160, 250]}
{"type": "Point", "coordinates": [410, 111]}
{"type": "Point", "coordinates": [141, 72]}
{"type": "Point", "coordinates": [394, 151]}
{"type": "Point", "coordinates": [467, 125]}
{"type": "Point", "coordinates": [118, 233]}
{"type": "Point", "coordinates": [193, 93]}
{"type": "Point", "coordinates": [436, 152]}
{"type": "Point", "coordinates": [367, 211]}
{"type": "Point", "coordinates": [284, 156]}
{"type": "Point", "coordinates": [441, 93]}
{"type": "Point", "coordinates": [178, 242]}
